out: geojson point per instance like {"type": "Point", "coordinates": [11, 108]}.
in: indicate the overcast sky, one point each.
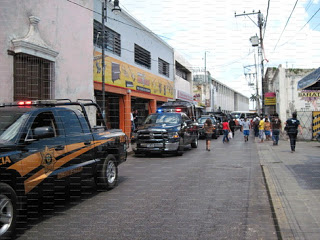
{"type": "Point", "coordinates": [196, 27]}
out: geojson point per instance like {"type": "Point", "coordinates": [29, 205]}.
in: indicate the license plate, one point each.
{"type": "Point", "coordinates": [150, 145]}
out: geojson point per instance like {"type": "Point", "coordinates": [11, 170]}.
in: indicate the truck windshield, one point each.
{"type": "Point", "coordinates": [162, 118]}
{"type": "Point", "coordinates": [10, 124]}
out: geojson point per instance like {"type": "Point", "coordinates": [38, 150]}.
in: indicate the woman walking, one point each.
{"type": "Point", "coordinates": [208, 128]}
{"type": "Point", "coordinates": [292, 125]}
{"type": "Point", "coordinates": [226, 129]}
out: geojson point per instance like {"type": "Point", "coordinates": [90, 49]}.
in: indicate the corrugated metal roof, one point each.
{"type": "Point", "coordinates": [309, 80]}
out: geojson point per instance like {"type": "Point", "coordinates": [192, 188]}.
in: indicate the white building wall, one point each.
{"type": "Point", "coordinates": [132, 32]}
{"type": "Point", "coordinates": [66, 28]}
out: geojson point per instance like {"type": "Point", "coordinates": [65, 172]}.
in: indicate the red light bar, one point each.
{"type": "Point", "coordinates": [178, 109]}
{"type": "Point", "coordinates": [23, 103]}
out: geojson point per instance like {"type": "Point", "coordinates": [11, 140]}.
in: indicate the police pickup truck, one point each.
{"type": "Point", "coordinates": [43, 143]}
{"type": "Point", "coordinates": [165, 132]}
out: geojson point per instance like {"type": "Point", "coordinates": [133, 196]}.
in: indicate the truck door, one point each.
{"type": "Point", "coordinates": [79, 145]}
{"type": "Point", "coordinates": [188, 129]}
{"type": "Point", "coordinates": [43, 148]}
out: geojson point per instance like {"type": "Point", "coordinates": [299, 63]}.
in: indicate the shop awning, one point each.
{"type": "Point", "coordinates": [309, 80]}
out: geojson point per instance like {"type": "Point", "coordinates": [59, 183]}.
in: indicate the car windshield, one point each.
{"type": "Point", "coordinates": [10, 124]}
{"type": "Point", "coordinates": [203, 120]}
{"type": "Point", "coordinates": [168, 118]}
{"type": "Point", "coordinates": [235, 115]}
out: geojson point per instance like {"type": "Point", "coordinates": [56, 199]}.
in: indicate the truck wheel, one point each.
{"type": "Point", "coordinates": [194, 144]}
{"type": "Point", "coordinates": [107, 175]}
{"type": "Point", "coordinates": [8, 211]}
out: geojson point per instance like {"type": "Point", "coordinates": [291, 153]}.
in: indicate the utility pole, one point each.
{"type": "Point", "coordinates": [103, 61]}
{"type": "Point", "coordinates": [260, 49]}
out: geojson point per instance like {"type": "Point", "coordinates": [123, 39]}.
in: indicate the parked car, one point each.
{"type": "Point", "coordinates": [165, 132]}
{"type": "Point", "coordinates": [201, 122]}
{"type": "Point", "coordinates": [46, 143]}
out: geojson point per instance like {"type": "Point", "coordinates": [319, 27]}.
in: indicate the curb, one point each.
{"type": "Point", "coordinates": [278, 214]}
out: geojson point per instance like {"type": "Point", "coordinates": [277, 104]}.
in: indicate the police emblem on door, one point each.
{"type": "Point", "coordinates": [48, 159]}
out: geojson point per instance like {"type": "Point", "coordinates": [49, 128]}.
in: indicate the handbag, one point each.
{"type": "Point", "coordinates": [230, 135]}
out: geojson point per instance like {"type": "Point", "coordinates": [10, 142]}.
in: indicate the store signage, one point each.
{"type": "Point", "coordinates": [309, 94]}
{"type": "Point", "coordinates": [184, 96]}
{"type": "Point", "coordinates": [121, 74]}
{"type": "Point", "coordinates": [270, 99]}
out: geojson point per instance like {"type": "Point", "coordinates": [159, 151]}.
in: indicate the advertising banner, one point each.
{"type": "Point", "coordinates": [121, 74]}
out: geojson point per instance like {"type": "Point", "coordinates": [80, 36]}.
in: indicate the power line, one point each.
{"type": "Point", "coordinates": [285, 25]}
{"type": "Point", "coordinates": [265, 25]}
{"type": "Point", "coordinates": [302, 27]}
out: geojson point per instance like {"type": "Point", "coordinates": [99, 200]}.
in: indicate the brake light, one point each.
{"type": "Point", "coordinates": [178, 109]}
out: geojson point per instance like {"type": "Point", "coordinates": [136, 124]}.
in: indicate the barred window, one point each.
{"type": "Point", "coordinates": [142, 56]}
{"type": "Point", "coordinates": [163, 67]}
{"type": "Point", "coordinates": [112, 39]}
{"type": "Point", "coordinates": [181, 71]}
{"type": "Point", "coordinates": [33, 77]}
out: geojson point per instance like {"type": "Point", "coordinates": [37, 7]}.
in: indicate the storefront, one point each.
{"type": "Point", "coordinates": [128, 88]}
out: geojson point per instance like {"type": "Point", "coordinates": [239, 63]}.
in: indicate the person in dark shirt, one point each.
{"type": "Point", "coordinates": [292, 126]}
{"type": "Point", "coordinates": [232, 125]}
{"type": "Point", "coordinates": [275, 127]}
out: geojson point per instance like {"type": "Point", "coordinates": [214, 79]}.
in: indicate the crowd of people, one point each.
{"type": "Point", "coordinates": [263, 127]}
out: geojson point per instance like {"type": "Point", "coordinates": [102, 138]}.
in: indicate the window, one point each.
{"type": "Point", "coordinates": [112, 39]}
{"type": "Point", "coordinates": [33, 77]}
{"type": "Point", "coordinates": [163, 67]}
{"type": "Point", "coordinates": [142, 56]}
{"type": "Point", "coordinates": [181, 71]}
{"type": "Point", "coordinates": [44, 119]}
{"type": "Point", "coordinates": [71, 123]}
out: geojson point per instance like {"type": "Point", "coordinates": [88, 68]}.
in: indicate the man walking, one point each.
{"type": "Point", "coordinates": [245, 127]}
{"type": "Point", "coordinates": [292, 125]}
{"type": "Point", "coordinates": [276, 127]}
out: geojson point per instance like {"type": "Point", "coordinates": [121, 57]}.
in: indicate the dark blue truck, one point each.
{"type": "Point", "coordinates": [44, 143]}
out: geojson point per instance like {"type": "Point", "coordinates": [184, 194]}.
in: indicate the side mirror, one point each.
{"type": "Point", "coordinates": [43, 132]}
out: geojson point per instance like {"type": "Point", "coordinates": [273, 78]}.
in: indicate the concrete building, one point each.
{"type": "Point", "coordinates": [183, 80]}
{"type": "Point", "coordinates": [46, 50]}
{"type": "Point", "coordinates": [139, 67]}
{"type": "Point", "coordinates": [283, 85]}
{"type": "Point", "coordinates": [216, 96]}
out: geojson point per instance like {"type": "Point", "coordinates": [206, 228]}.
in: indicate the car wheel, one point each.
{"type": "Point", "coordinates": [8, 211]}
{"type": "Point", "coordinates": [107, 175]}
{"type": "Point", "coordinates": [194, 144]}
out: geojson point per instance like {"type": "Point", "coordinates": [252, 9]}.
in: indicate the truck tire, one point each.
{"type": "Point", "coordinates": [8, 211]}
{"type": "Point", "coordinates": [107, 175]}
{"type": "Point", "coordinates": [194, 144]}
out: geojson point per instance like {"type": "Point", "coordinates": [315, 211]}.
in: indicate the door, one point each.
{"type": "Point", "coordinates": [44, 146]}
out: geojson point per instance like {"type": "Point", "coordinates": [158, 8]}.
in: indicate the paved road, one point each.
{"type": "Point", "coordinates": [201, 195]}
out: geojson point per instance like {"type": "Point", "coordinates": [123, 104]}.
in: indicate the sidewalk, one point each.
{"type": "Point", "coordinates": [293, 181]}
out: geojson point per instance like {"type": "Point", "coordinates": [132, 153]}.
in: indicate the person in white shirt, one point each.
{"type": "Point", "coordinates": [245, 127]}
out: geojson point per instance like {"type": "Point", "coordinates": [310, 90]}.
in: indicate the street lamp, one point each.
{"type": "Point", "coordinates": [116, 9]}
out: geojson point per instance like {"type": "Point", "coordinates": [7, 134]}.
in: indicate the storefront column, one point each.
{"type": "Point", "coordinates": [125, 114]}
{"type": "Point", "coordinates": [153, 106]}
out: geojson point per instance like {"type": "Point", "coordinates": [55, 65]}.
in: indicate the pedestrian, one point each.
{"type": "Point", "coordinates": [245, 127]}
{"type": "Point", "coordinates": [255, 126]}
{"type": "Point", "coordinates": [267, 129]}
{"type": "Point", "coordinates": [232, 125]}
{"type": "Point", "coordinates": [135, 118]}
{"type": "Point", "coordinates": [208, 128]}
{"type": "Point", "coordinates": [132, 121]}
{"type": "Point", "coordinates": [276, 127]}
{"type": "Point", "coordinates": [292, 126]}
{"type": "Point", "coordinates": [226, 129]}
{"type": "Point", "coordinates": [261, 130]}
